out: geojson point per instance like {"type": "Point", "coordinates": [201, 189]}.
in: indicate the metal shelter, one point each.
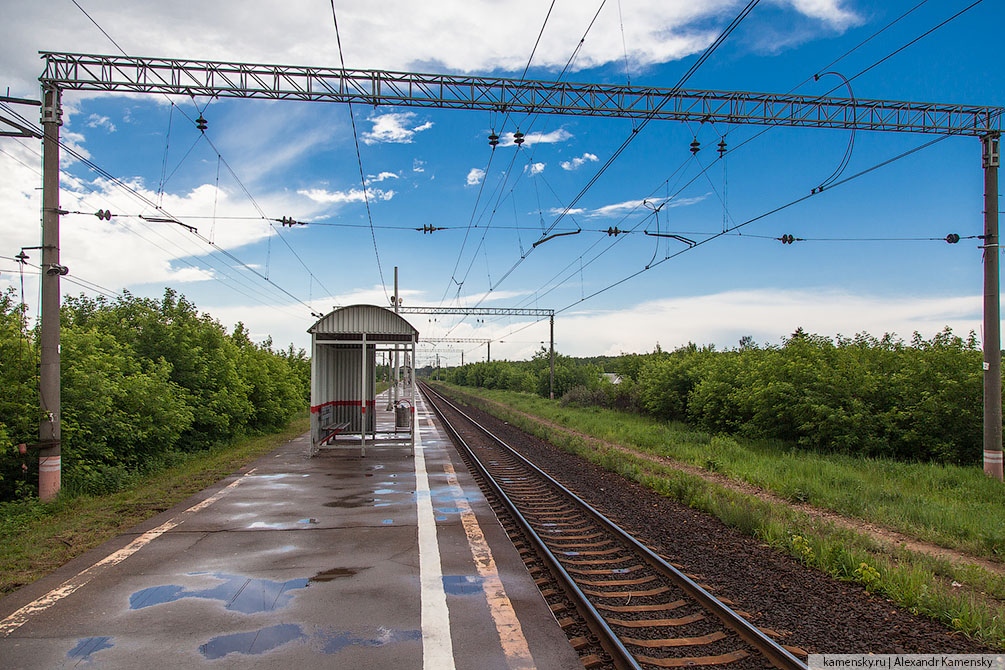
{"type": "Point", "coordinates": [344, 346]}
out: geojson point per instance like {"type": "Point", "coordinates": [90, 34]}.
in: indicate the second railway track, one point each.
{"type": "Point", "coordinates": [643, 611]}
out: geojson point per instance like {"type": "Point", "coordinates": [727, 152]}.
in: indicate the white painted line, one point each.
{"type": "Point", "coordinates": [437, 649]}
{"type": "Point", "coordinates": [511, 637]}
{"type": "Point", "coordinates": [20, 617]}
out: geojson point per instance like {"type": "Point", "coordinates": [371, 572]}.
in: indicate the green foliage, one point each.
{"type": "Point", "coordinates": [143, 381]}
{"type": "Point", "coordinates": [860, 396]}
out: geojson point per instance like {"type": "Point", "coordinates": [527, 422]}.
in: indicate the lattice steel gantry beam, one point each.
{"type": "Point", "coordinates": [478, 311]}
{"type": "Point", "coordinates": [86, 72]}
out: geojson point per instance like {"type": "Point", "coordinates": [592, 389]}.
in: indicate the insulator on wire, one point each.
{"type": "Point", "coordinates": [493, 139]}
{"type": "Point", "coordinates": [429, 228]}
{"type": "Point", "coordinates": [614, 231]}
{"type": "Point", "coordinates": [290, 221]}
{"type": "Point", "coordinates": [952, 238]}
{"type": "Point", "coordinates": [695, 146]}
{"type": "Point", "coordinates": [518, 138]}
{"type": "Point", "coordinates": [722, 147]}
{"type": "Point", "coordinates": [103, 214]}
{"type": "Point", "coordinates": [201, 123]}
{"type": "Point", "coordinates": [789, 239]}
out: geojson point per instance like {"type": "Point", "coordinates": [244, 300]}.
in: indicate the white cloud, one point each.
{"type": "Point", "coordinates": [352, 195]}
{"type": "Point", "coordinates": [560, 135]}
{"type": "Point", "coordinates": [684, 202]}
{"type": "Point", "coordinates": [448, 35]}
{"type": "Point", "coordinates": [418, 166]}
{"type": "Point", "coordinates": [765, 314]}
{"type": "Point", "coordinates": [394, 127]}
{"type": "Point", "coordinates": [575, 211]}
{"type": "Point", "coordinates": [475, 176]}
{"type": "Point", "coordinates": [621, 208]}
{"type": "Point", "coordinates": [534, 168]}
{"type": "Point", "coordinates": [579, 161]}
{"type": "Point", "coordinates": [381, 177]}
{"type": "Point", "coordinates": [95, 121]}
{"type": "Point", "coordinates": [828, 11]}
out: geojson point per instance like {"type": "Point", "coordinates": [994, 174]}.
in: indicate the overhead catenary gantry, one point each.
{"type": "Point", "coordinates": [500, 311]}
{"type": "Point", "coordinates": [462, 340]}
{"type": "Point", "coordinates": [86, 72]}
{"type": "Point", "coordinates": [89, 72]}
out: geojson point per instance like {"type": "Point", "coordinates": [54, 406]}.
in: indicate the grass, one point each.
{"type": "Point", "coordinates": [952, 506]}
{"type": "Point", "coordinates": [36, 538]}
{"type": "Point", "coordinates": [915, 581]}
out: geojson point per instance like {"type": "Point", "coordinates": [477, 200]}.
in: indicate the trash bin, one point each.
{"type": "Point", "coordinates": [402, 416]}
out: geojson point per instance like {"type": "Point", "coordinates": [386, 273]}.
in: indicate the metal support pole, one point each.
{"type": "Point", "coordinates": [48, 383]}
{"type": "Point", "coordinates": [488, 351]}
{"type": "Point", "coordinates": [397, 373]}
{"type": "Point", "coordinates": [552, 347]}
{"type": "Point", "coordinates": [415, 425]}
{"type": "Point", "coordinates": [462, 357]}
{"type": "Point", "coordinates": [992, 316]}
{"type": "Point", "coordinates": [362, 404]}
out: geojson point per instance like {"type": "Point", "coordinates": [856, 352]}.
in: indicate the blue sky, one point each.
{"type": "Point", "coordinates": [299, 160]}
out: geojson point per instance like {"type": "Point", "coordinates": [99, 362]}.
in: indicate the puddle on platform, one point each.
{"type": "Point", "coordinates": [254, 642]}
{"type": "Point", "coordinates": [268, 524]}
{"type": "Point", "coordinates": [89, 645]}
{"type": "Point", "coordinates": [384, 492]}
{"type": "Point", "coordinates": [311, 520]}
{"type": "Point", "coordinates": [333, 643]}
{"type": "Point", "coordinates": [448, 510]}
{"type": "Point", "coordinates": [441, 518]}
{"type": "Point", "coordinates": [387, 522]}
{"type": "Point", "coordinates": [333, 574]}
{"type": "Point", "coordinates": [349, 503]}
{"type": "Point", "coordinates": [462, 585]}
{"type": "Point", "coordinates": [238, 593]}
{"type": "Point", "coordinates": [280, 475]}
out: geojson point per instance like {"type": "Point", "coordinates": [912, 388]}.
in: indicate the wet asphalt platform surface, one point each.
{"type": "Point", "coordinates": [304, 563]}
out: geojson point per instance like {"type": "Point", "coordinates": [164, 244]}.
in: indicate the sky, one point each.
{"type": "Point", "coordinates": [859, 267]}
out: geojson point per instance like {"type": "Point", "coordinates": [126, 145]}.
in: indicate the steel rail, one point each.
{"type": "Point", "coordinates": [774, 652]}
{"type": "Point", "coordinates": [594, 619]}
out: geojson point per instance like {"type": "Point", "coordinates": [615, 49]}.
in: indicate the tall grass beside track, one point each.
{"type": "Point", "coordinates": [953, 506]}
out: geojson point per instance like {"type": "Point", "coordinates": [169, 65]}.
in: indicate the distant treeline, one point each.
{"type": "Point", "coordinates": [142, 382]}
{"type": "Point", "coordinates": [917, 400]}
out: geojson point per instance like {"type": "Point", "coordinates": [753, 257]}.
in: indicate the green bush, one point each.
{"type": "Point", "coordinates": [143, 381]}
{"type": "Point", "coordinates": [862, 396]}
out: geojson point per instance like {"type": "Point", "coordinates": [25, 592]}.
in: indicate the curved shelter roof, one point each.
{"type": "Point", "coordinates": [354, 321]}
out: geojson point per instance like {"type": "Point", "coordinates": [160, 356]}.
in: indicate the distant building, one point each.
{"type": "Point", "coordinates": [612, 377]}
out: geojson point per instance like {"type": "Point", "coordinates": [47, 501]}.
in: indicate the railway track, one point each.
{"type": "Point", "coordinates": [641, 610]}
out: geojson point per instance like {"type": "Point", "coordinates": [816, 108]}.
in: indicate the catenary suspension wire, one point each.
{"type": "Point", "coordinates": [359, 161]}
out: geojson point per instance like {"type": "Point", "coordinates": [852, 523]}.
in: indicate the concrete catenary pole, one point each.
{"type": "Point", "coordinates": [48, 383]}
{"type": "Point", "coordinates": [488, 351]}
{"type": "Point", "coordinates": [992, 316]}
{"type": "Point", "coordinates": [551, 381]}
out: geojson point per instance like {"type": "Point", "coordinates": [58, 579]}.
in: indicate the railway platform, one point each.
{"type": "Point", "coordinates": [332, 561]}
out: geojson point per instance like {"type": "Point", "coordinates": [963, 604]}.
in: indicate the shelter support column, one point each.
{"type": "Point", "coordinates": [362, 397]}
{"type": "Point", "coordinates": [415, 416]}
{"type": "Point", "coordinates": [992, 313]}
